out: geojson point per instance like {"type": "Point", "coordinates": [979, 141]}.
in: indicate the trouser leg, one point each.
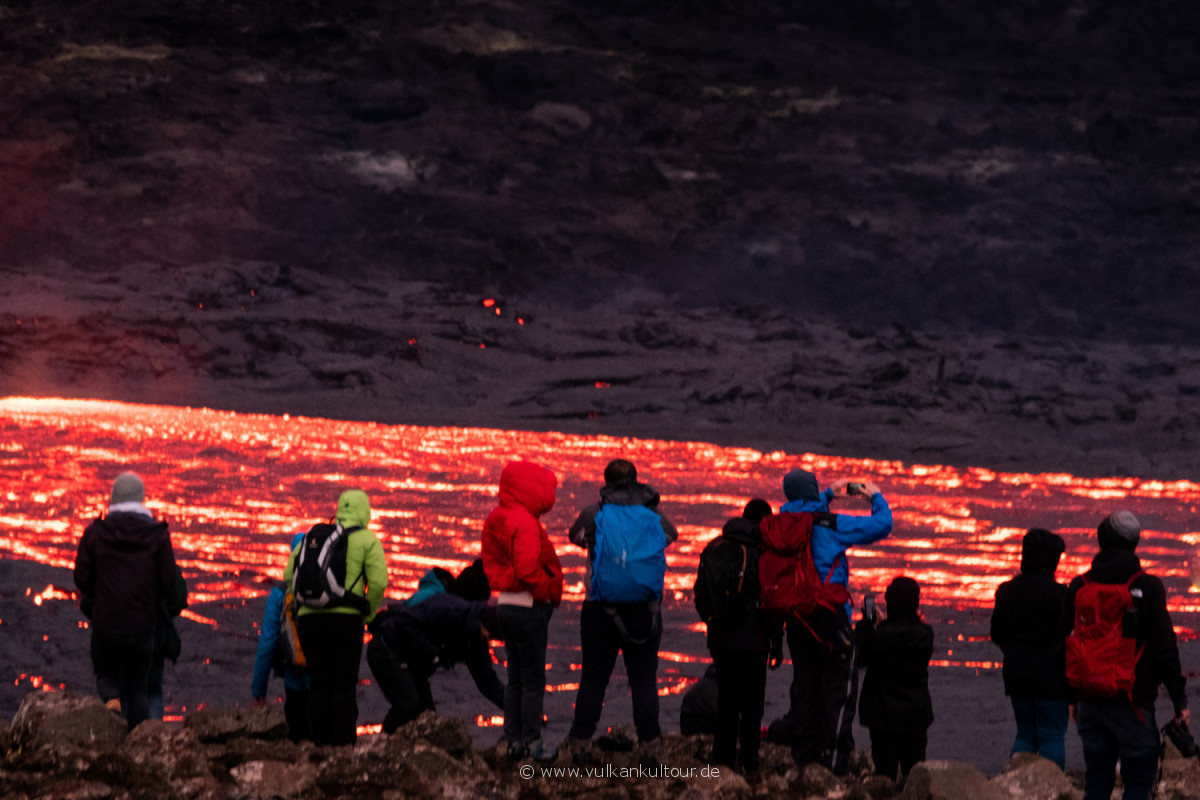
{"type": "Point", "coordinates": [333, 646]}
{"type": "Point", "coordinates": [599, 645]}
{"type": "Point", "coordinates": [912, 746]}
{"type": "Point", "coordinates": [1025, 713]}
{"type": "Point", "coordinates": [751, 704]}
{"type": "Point", "coordinates": [295, 711]}
{"type": "Point", "coordinates": [525, 631]}
{"type": "Point", "coordinates": [155, 687]}
{"type": "Point", "coordinates": [1052, 716]}
{"type": "Point", "coordinates": [641, 667]}
{"type": "Point", "coordinates": [725, 736]}
{"type": "Point", "coordinates": [885, 752]}
{"type": "Point", "coordinates": [397, 683]}
{"type": "Point", "coordinates": [1100, 752]}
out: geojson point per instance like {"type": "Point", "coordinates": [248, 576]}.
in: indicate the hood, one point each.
{"type": "Point", "coordinates": [1040, 552]}
{"type": "Point", "coordinates": [354, 509]}
{"type": "Point", "coordinates": [526, 485]}
{"type": "Point", "coordinates": [629, 494]}
{"type": "Point", "coordinates": [1114, 565]}
{"type": "Point", "coordinates": [742, 531]}
{"type": "Point", "coordinates": [128, 531]}
{"type": "Point", "coordinates": [804, 505]}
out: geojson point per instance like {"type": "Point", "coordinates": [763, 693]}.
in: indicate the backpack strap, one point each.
{"type": "Point", "coordinates": [742, 573]}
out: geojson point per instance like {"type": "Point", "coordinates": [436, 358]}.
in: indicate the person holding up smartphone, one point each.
{"type": "Point", "coordinates": [822, 643]}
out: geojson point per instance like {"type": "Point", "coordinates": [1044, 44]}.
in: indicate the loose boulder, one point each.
{"type": "Point", "coordinates": [269, 779]}
{"type": "Point", "coordinates": [949, 780]}
{"type": "Point", "coordinates": [217, 725]}
{"type": "Point", "coordinates": [1030, 776]}
{"type": "Point", "coordinates": [66, 719]}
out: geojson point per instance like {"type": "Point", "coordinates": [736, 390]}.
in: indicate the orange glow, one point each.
{"type": "Point", "coordinates": [367, 730]}
{"type": "Point", "coordinates": [488, 303]}
{"type": "Point", "coordinates": [236, 487]}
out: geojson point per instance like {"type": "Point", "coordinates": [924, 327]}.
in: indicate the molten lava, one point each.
{"type": "Point", "coordinates": [235, 487]}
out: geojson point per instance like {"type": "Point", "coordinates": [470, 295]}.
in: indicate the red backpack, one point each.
{"type": "Point", "coordinates": [1101, 654]}
{"type": "Point", "coordinates": [789, 579]}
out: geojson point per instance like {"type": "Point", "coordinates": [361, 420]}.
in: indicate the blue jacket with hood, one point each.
{"type": "Point", "coordinates": [852, 529]}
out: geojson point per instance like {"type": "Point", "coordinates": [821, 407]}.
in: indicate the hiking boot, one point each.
{"type": "Point", "coordinates": [582, 754]}
{"type": "Point", "coordinates": [648, 753]}
{"type": "Point", "coordinates": [541, 752]}
{"type": "Point", "coordinates": [516, 751]}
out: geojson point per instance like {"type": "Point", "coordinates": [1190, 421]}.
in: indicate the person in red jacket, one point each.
{"type": "Point", "coordinates": [521, 564]}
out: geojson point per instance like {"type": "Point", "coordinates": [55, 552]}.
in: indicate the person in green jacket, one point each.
{"type": "Point", "coordinates": [332, 637]}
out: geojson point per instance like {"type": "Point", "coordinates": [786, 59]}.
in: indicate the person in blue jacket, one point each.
{"type": "Point", "coordinates": [822, 645]}
{"type": "Point", "coordinates": [296, 685]}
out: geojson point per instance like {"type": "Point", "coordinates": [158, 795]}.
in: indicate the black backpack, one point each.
{"type": "Point", "coordinates": [319, 574]}
{"type": "Point", "coordinates": [727, 581]}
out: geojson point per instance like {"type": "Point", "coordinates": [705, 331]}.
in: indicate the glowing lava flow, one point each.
{"type": "Point", "coordinates": [234, 488]}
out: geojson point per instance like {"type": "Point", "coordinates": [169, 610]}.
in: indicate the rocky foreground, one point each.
{"type": "Point", "coordinates": [68, 746]}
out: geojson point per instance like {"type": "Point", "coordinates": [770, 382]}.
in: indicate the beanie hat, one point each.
{"type": "Point", "coordinates": [1119, 529]}
{"type": "Point", "coordinates": [755, 510]}
{"type": "Point", "coordinates": [620, 471]}
{"type": "Point", "coordinates": [472, 584]}
{"type": "Point", "coordinates": [903, 595]}
{"type": "Point", "coordinates": [800, 484]}
{"type": "Point", "coordinates": [128, 488]}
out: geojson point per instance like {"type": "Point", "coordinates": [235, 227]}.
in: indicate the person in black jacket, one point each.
{"type": "Point", "coordinates": [742, 641]}
{"type": "Point", "coordinates": [1123, 728]}
{"type": "Point", "coordinates": [1025, 623]}
{"type": "Point", "coordinates": [895, 706]}
{"type": "Point", "coordinates": [410, 641]}
{"type": "Point", "coordinates": [124, 568]}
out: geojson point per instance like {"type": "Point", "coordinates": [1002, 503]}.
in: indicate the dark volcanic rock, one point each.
{"type": "Point", "coordinates": [290, 207]}
{"type": "Point", "coordinates": [159, 760]}
{"type": "Point", "coordinates": [217, 725]}
{"type": "Point", "coordinates": [66, 719]}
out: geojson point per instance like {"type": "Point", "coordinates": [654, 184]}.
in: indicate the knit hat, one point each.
{"type": "Point", "coordinates": [756, 509]}
{"type": "Point", "coordinates": [128, 488]}
{"type": "Point", "coordinates": [472, 584]}
{"type": "Point", "coordinates": [903, 595]}
{"type": "Point", "coordinates": [800, 484]}
{"type": "Point", "coordinates": [620, 471]}
{"type": "Point", "coordinates": [1119, 529]}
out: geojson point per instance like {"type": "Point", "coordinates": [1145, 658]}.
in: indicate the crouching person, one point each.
{"type": "Point", "coordinates": [410, 641]}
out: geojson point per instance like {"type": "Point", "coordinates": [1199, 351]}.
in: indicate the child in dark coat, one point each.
{"type": "Point", "coordinates": [895, 705]}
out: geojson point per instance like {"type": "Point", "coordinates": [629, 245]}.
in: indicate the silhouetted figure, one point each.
{"type": "Point", "coordinates": [1121, 727]}
{"type": "Point", "coordinates": [1025, 624]}
{"type": "Point", "coordinates": [895, 706]}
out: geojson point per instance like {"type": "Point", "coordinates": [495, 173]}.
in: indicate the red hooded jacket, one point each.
{"type": "Point", "coordinates": [517, 553]}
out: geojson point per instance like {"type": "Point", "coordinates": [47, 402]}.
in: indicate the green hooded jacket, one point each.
{"type": "Point", "coordinates": [364, 556]}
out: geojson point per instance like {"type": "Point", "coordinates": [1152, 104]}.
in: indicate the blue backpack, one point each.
{"type": "Point", "coordinates": [629, 561]}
